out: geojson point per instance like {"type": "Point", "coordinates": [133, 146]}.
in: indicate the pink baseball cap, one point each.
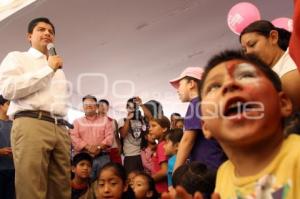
{"type": "Point", "coordinates": [195, 72]}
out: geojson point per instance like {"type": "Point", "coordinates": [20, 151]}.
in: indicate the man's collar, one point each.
{"type": "Point", "coordinates": [36, 53]}
{"type": "Point", "coordinates": [94, 117]}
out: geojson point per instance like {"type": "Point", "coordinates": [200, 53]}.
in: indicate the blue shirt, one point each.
{"type": "Point", "coordinates": [171, 163]}
{"type": "Point", "coordinates": [6, 162]}
{"type": "Point", "coordinates": [207, 151]}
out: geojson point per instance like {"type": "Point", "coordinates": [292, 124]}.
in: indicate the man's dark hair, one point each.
{"type": "Point", "coordinates": [2, 100]}
{"type": "Point", "coordinates": [104, 101]}
{"type": "Point", "coordinates": [264, 27]}
{"type": "Point", "coordinates": [35, 21]}
{"type": "Point", "coordinates": [238, 55]}
{"type": "Point", "coordinates": [89, 97]}
{"type": "Point", "coordinates": [195, 177]}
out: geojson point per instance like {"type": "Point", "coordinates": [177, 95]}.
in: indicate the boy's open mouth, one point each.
{"type": "Point", "coordinates": [237, 106]}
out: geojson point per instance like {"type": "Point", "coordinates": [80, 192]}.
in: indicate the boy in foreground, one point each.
{"type": "Point", "coordinates": [244, 108]}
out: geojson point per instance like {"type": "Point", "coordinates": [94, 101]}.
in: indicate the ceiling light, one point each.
{"type": "Point", "coordinates": [4, 3]}
{"type": "Point", "coordinates": [9, 7]}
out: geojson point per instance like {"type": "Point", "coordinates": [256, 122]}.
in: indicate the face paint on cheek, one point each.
{"type": "Point", "coordinates": [245, 74]}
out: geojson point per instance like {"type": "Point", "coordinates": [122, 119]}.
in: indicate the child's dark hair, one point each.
{"type": "Point", "coordinates": [105, 101]}
{"type": "Point", "coordinates": [264, 27]}
{"type": "Point", "coordinates": [175, 114]}
{"type": "Point", "coordinates": [144, 142]}
{"type": "Point", "coordinates": [35, 21]}
{"type": "Point", "coordinates": [81, 156]}
{"type": "Point", "coordinates": [195, 177]}
{"type": "Point", "coordinates": [2, 100]}
{"type": "Point", "coordinates": [238, 55]}
{"type": "Point", "coordinates": [119, 171]}
{"type": "Point", "coordinates": [151, 183]}
{"type": "Point", "coordinates": [163, 121]}
{"type": "Point", "coordinates": [174, 135]}
{"type": "Point", "coordinates": [292, 124]}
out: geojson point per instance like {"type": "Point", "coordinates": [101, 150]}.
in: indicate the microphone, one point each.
{"type": "Point", "coordinates": [51, 49]}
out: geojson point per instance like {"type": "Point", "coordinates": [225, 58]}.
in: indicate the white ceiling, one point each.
{"type": "Point", "coordinates": [118, 48]}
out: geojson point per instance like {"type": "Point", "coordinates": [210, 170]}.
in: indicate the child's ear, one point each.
{"type": "Point", "coordinates": [206, 132]}
{"type": "Point", "coordinates": [125, 187]}
{"type": "Point", "coordinates": [29, 37]}
{"type": "Point", "coordinates": [176, 145]}
{"type": "Point", "coordinates": [286, 106]}
{"type": "Point", "coordinates": [73, 169]}
{"type": "Point", "coordinates": [192, 84]}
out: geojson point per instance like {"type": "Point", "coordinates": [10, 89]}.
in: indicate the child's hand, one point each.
{"type": "Point", "coordinates": [130, 116]}
{"type": "Point", "coordinates": [5, 151]}
{"type": "Point", "coordinates": [138, 101]}
{"type": "Point", "coordinates": [92, 149]}
{"type": "Point", "coordinates": [181, 193]}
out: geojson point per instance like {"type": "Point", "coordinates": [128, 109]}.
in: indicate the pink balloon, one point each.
{"type": "Point", "coordinates": [283, 22]}
{"type": "Point", "coordinates": [241, 15]}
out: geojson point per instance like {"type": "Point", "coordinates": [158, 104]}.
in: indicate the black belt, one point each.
{"type": "Point", "coordinates": [43, 115]}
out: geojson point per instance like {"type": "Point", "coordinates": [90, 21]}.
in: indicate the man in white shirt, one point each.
{"type": "Point", "coordinates": [37, 88]}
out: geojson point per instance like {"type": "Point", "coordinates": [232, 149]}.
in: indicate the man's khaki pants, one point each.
{"type": "Point", "coordinates": [41, 152]}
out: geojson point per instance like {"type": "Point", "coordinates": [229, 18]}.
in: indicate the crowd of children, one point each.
{"type": "Point", "coordinates": [263, 161]}
{"type": "Point", "coordinates": [158, 154]}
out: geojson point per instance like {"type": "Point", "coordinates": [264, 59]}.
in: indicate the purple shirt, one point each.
{"type": "Point", "coordinates": [207, 151]}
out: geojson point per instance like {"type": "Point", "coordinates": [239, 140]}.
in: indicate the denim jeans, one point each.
{"type": "Point", "coordinates": [98, 163]}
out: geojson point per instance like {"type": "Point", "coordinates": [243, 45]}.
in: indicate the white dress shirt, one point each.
{"type": "Point", "coordinates": [30, 84]}
{"type": "Point", "coordinates": [284, 65]}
